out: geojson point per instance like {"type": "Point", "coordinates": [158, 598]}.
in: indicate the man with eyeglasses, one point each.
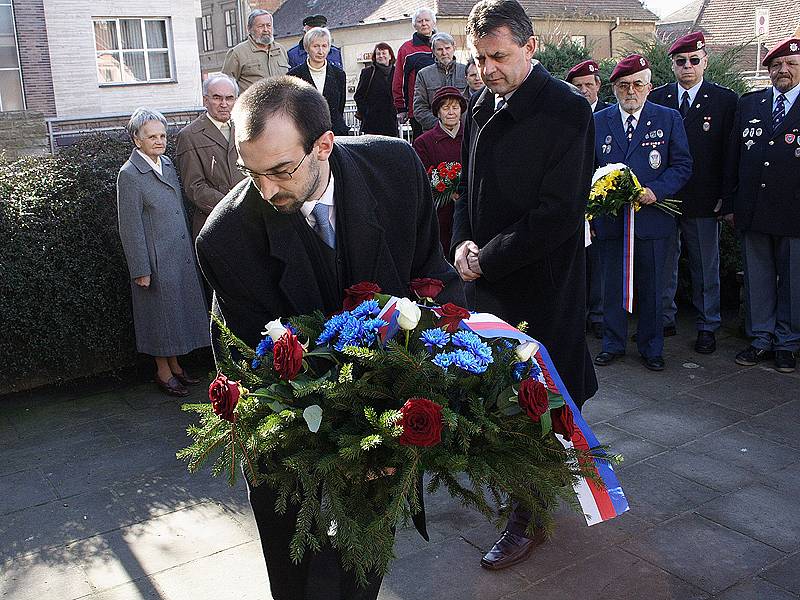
{"type": "Point", "coordinates": [651, 141]}
{"type": "Point", "coordinates": [707, 110]}
{"type": "Point", "coordinates": [763, 201]}
{"type": "Point", "coordinates": [206, 152]}
{"type": "Point", "coordinates": [315, 216]}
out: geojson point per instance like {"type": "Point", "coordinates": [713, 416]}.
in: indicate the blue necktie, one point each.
{"type": "Point", "coordinates": [323, 225]}
{"type": "Point", "coordinates": [631, 128]}
{"type": "Point", "coordinates": [778, 113]}
{"type": "Point", "coordinates": [685, 104]}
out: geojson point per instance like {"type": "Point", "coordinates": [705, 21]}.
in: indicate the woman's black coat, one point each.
{"type": "Point", "coordinates": [334, 91]}
{"type": "Point", "coordinates": [374, 101]}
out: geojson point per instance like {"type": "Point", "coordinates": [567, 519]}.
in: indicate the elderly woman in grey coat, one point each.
{"type": "Point", "coordinates": [169, 311]}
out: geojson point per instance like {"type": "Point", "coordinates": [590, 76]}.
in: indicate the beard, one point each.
{"type": "Point", "coordinates": [289, 203]}
{"type": "Point", "coordinates": [265, 40]}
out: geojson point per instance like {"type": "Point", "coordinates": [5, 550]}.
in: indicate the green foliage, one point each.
{"type": "Point", "coordinates": [558, 59]}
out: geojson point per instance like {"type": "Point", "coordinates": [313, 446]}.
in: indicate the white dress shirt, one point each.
{"type": "Point", "coordinates": [790, 96]}
{"type": "Point", "coordinates": [326, 198]}
{"type": "Point", "coordinates": [692, 92]}
{"type": "Point", "coordinates": [156, 165]}
{"type": "Point", "coordinates": [625, 116]}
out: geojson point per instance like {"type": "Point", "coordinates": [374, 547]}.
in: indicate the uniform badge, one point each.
{"type": "Point", "coordinates": [789, 138]}
{"type": "Point", "coordinates": [744, 133]}
{"type": "Point", "coordinates": [797, 152]}
{"type": "Point", "coordinates": [755, 121]}
{"type": "Point", "coordinates": [749, 144]}
{"type": "Point", "coordinates": [655, 159]}
{"type": "Point", "coordinates": [608, 139]}
{"type": "Point", "coordinates": [759, 131]}
{"type": "Point", "coordinates": [660, 133]}
{"type": "Point", "coordinates": [706, 126]}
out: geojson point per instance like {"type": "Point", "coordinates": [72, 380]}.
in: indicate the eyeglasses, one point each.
{"type": "Point", "coordinates": [279, 176]}
{"type": "Point", "coordinates": [626, 86]}
{"type": "Point", "coordinates": [695, 60]}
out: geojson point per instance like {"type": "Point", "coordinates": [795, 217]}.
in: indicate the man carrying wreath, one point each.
{"type": "Point", "coordinates": [651, 141]}
{"type": "Point", "coordinates": [314, 217]}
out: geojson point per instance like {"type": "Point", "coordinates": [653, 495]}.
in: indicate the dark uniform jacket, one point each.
{"type": "Point", "coordinates": [763, 181]}
{"type": "Point", "coordinates": [600, 105]}
{"type": "Point", "coordinates": [528, 168]}
{"type": "Point", "coordinates": [334, 90]}
{"type": "Point", "coordinates": [708, 125]}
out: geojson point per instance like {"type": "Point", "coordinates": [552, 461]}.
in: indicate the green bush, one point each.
{"type": "Point", "coordinates": [64, 285]}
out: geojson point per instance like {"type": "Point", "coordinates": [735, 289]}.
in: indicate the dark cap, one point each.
{"type": "Point", "coordinates": [630, 65]}
{"type": "Point", "coordinates": [443, 94]}
{"type": "Point", "coordinates": [691, 42]}
{"type": "Point", "coordinates": [787, 47]}
{"type": "Point", "coordinates": [587, 67]}
{"type": "Point", "coordinates": [315, 21]}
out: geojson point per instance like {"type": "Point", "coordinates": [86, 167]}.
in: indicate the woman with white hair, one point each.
{"type": "Point", "coordinates": [169, 312]}
{"type": "Point", "coordinates": [329, 79]}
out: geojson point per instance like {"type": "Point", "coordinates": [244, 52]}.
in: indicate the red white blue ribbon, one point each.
{"type": "Point", "coordinates": [627, 262]}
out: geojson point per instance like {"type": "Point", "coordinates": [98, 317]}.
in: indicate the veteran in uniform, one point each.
{"type": "Point", "coordinates": [586, 77]}
{"type": "Point", "coordinates": [651, 141]}
{"type": "Point", "coordinates": [707, 110]}
{"type": "Point", "coordinates": [257, 57]}
{"type": "Point", "coordinates": [763, 196]}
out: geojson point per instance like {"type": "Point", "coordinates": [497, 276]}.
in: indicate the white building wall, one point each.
{"type": "Point", "coordinates": [72, 56]}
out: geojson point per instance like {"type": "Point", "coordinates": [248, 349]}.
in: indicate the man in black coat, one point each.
{"type": "Point", "coordinates": [518, 232]}
{"type": "Point", "coordinates": [707, 110]}
{"type": "Point", "coordinates": [586, 77]}
{"type": "Point", "coordinates": [763, 200]}
{"type": "Point", "coordinates": [314, 217]}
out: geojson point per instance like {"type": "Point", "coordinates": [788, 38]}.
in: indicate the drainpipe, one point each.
{"type": "Point", "coordinates": [611, 38]}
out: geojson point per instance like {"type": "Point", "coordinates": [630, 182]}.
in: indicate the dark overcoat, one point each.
{"type": "Point", "coordinates": [170, 316]}
{"type": "Point", "coordinates": [763, 180]}
{"type": "Point", "coordinates": [334, 90]}
{"type": "Point", "coordinates": [207, 162]}
{"type": "Point", "coordinates": [708, 126]}
{"type": "Point", "coordinates": [528, 168]}
{"type": "Point", "coordinates": [373, 98]}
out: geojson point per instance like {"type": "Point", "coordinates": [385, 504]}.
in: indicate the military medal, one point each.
{"type": "Point", "coordinates": [749, 143]}
{"type": "Point", "coordinates": [660, 133]}
{"type": "Point", "coordinates": [655, 159]}
{"type": "Point", "coordinates": [759, 131]}
{"type": "Point", "coordinates": [608, 139]}
{"type": "Point", "coordinates": [706, 126]}
{"type": "Point", "coordinates": [797, 152]}
{"type": "Point", "coordinates": [789, 138]}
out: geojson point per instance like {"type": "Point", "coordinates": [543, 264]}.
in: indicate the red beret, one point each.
{"type": "Point", "coordinates": [691, 42]}
{"type": "Point", "coordinates": [630, 65]}
{"type": "Point", "coordinates": [787, 47]}
{"type": "Point", "coordinates": [587, 67]}
{"type": "Point", "coordinates": [443, 94]}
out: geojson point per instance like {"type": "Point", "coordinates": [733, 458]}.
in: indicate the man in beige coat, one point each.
{"type": "Point", "coordinates": [206, 151]}
{"type": "Point", "coordinates": [257, 57]}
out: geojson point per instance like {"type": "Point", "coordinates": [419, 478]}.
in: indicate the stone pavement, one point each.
{"type": "Point", "coordinates": [93, 504]}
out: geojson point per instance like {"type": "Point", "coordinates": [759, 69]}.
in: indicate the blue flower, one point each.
{"type": "Point", "coordinates": [474, 345]}
{"type": "Point", "coordinates": [366, 308]}
{"type": "Point", "coordinates": [467, 361]}
{"type": "Point", "coordinates": [256, 363]}
{"type": "Point", "coordinates": [535, 370]}
{"type": "Point", "coordinates": [519, 370]}
{"type": "Point", "coordinates": [264, 346]}
{"type": "Point", "coordinates": [434, 337]}
{"type": "Point", "coordinates": [332, 327]}
{"type": "Point", "coordinates": [443, 359]}
{"type": "Point", "coordinates": [506, 344]}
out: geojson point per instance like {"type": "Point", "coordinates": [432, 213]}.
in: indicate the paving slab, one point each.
{"type": "Point", "coordinates": [756, 589]}
{"type": "Point", "coordinates": [631, 446]}
{"type": "Point", "coordinates": [750, 391]}
{"type": "Point", "coordinates": [717, 474]}
{"type": "Point", "coordinates": [42, 577]}
{"type": "Point", "coordinates": [737, 446]}
{"type": "Point", "coordinates": [785, 574]}
{"type": "Point", "coordinates": [24, 489]}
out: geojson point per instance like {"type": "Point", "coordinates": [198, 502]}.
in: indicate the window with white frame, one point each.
{"type": "Point", "coordinates": [133, 50]}
{"type": "Point", "coordinates": [11, 97]}
{"type": "Point", "coordinates": [208, 34]}
{"type": "Point", "coordinates": [231, 28]}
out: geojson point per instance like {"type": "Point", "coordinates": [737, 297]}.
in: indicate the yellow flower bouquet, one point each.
{"type": "Point", "coordinates": [615, 185]}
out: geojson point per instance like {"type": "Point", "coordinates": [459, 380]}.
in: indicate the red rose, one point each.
{"type": "Point", "coordinates": [288, 356]}
{"type": "Point", "coordinates": [356, 294]}
{"type": "Point", "coordinates": [452, 315]}
{"type": "Point", "coordinates": [421, 422]}
{"type": "Point", "coordinates": [224, 396]}
{"type": "Point", "coordinates": [564, 423]}
{"type": "Point", "coordinates": [533, 398]}
{"type": "Point", "coordinates": [426, 287]}
{"type": "Point", "coordinates": [440, 187]}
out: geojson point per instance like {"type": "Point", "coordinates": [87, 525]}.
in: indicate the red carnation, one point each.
{"type": "Point", "coordinates": [533, 398]}
{"type": "Point", "coordinates": [440, 187]}
{"type": "Point", "coordinates": [287, 356]}
{"type": "Point", "coordinates": [224, 396]}
{"type": "Point", "coordinates": [426, 287]}
{"type": "Point", "coordinates": [452, 315]}
{"type": "Point", "coordinates": [356, 294]}
{"type": "Point", "coordinates": [564, 423]}
{"type": "Point", "coordinates": [442, 168]}
{"type": "Point", "coordinates": [422, 423]}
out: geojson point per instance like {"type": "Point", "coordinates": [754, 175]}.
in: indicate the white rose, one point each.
{"type": "Point", "coordinates": [274, 329]}
{"type": "Point", "coordinates": [409, 314]}
{"type": "Point", "coordinates": [525, 350]}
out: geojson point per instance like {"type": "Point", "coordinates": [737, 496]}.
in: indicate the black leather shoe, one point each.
{"type": "Point", "coordinates": [785, 362]}
{"type": "Point", "coordinates": [597, 330]}
{"type": "Point", "coordinates": [606, 358]}
{"type": "Point", "coordinates": [511, 549]}
{"type": "Point", "coordinates": [706, 342]}
{"type": "Point", "coordinates": [654, 364]}
{"type": "Point", "coordinates": [172, 387]}
{"type": "Point", "coordinates": [751, 356]}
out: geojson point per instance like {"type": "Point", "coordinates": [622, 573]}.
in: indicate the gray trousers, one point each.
{"type": "Point", "coordinates": [772, 290]}
{"type": "Point", "coordinates": [701, 237]}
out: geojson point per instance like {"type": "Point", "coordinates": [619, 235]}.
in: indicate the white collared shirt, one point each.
{"type": "Point", "coordinates": [326, 198]}
{"type": "Point", "coordinates": [593, 104]}
{"type": "Point", "coordinates": [692, 92]}
{"type": "Point", "coordinates": [790, 96]}
{"type": "Point", "coordinates": [625, 116]}
{"type": "Point", "coordinates": [156, 165]}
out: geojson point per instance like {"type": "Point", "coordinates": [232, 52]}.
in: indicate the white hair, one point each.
{"type": "Point", "coordinates": [441, 36]}
{"type": "Point", "coordinates": [423, 10]}
{"type": "Point", "coordinates": [220, 77]}
{"type": "Point", "coordinates": [141, 116]}
{"type": "Point", "coordinates": [314, 33]}
{"type": "Point", "coordinates": [251, 18]}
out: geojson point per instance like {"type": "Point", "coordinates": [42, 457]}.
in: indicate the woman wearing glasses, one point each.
{"type": "Point", "coordinates": [329, 79]}
{"type": "Point", "coordinates": [169, 311]}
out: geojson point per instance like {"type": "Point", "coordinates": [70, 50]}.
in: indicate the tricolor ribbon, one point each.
{"type": "Point", "coordinates": [627, 264]}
